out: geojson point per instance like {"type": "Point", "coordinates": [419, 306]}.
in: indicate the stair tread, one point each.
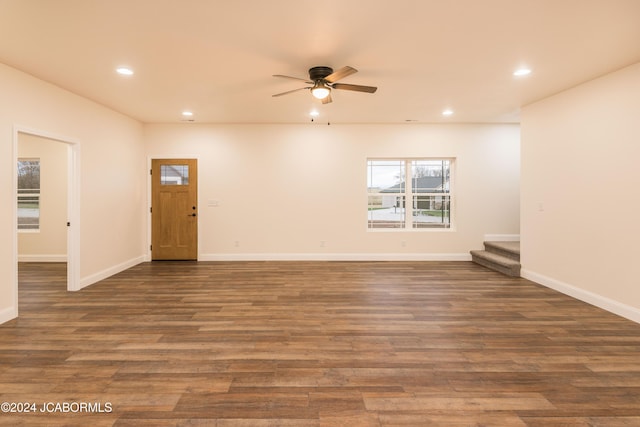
{"type": "Point", "coordinates": [513, 247]}
{"type": "Point", "coordinates": [498, 259]}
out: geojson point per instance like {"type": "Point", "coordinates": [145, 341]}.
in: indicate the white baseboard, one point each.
{"type": "Point", "coordinates": [7, 314]}
{"type": "Point", "coordinates": [600, 301]}
{"type": "Point", "coordinates": [42, 258]}
{"type": "Point", "coordinates": [101, 275]}
{"type": "Point", "coordinates": [501, 237]}
{"type": "Point", "coordinates": [336, 257]}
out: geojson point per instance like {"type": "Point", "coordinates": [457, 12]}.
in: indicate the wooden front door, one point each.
{"type": "Point", "coordinates": [174, 209]}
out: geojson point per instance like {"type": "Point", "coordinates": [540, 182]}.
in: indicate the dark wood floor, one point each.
{"type": "Point", "coordinates": [315, 344]}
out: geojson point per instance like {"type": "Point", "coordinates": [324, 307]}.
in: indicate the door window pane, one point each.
{"type": "Point", "coordinates": [174, 174]}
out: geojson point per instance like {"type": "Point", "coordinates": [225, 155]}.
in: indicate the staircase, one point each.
{"type": "Point", "coordinates": [499, 256]}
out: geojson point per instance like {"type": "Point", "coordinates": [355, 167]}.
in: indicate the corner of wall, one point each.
{"type": "Point", "coordinates": [101, 275]}
{"type": "Point", "coordinates": [7, 314]}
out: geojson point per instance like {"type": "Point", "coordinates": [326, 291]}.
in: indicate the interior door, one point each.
{"type": "Point", "coordinates": [174, 209]}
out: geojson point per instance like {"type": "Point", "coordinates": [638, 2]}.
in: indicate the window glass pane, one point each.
{"type": "Point", "coordinates": [174, 174]}
{"type": "Point", "coordinates": [385, 176]}
{"type": "Point", "coordinates": [28, 194]}
{"type": "Point", "coordinates": [386, 211]}
{"type": "Point", "coordinates": [431, 211]}
{"type": "Point", "coordinates": [427, 194]}
{"type": "Point", "coordinates": [430, 176]}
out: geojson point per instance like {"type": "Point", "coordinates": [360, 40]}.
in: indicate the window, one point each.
{"type": "Point", "coordinates": [174, 174]}
{"type": "Point", "coordinates": [28, 194]}
{"type": "Point", "coordinates": [409, 193]}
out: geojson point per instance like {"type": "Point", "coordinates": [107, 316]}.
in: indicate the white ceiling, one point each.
{"type": "Point", "coordinates": [217, 57]}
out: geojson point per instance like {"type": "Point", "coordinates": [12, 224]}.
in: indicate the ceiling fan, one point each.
{"type": "Point", "coordinates": [323, 79]}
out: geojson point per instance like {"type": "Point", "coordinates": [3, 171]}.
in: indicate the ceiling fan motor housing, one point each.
{"type": "Point", "coordinates": [319, 73]}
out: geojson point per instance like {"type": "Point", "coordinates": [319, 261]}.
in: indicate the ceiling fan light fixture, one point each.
{"type": "Point", "coordinates": [320, 91]}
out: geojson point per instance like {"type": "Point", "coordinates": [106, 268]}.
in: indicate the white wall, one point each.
{"type": "Point", "coordinates": [112, 189]}
{"type": "Point", "coordinates": [49, 243]}
{"type": "Point", "coordinates": [580, 195]}
{"type": "Point", "coordinates": [281, 190]}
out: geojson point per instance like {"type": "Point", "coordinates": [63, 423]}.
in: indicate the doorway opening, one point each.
{"type": "Point", "coordinates": [46, 216]}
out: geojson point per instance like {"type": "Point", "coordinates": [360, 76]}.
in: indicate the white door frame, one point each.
{"type": "Point", "coordinates": [73, 206]}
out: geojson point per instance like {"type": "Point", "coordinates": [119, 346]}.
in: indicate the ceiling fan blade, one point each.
{"type": "Point", "coordinates": [340, 74]}
{"type": "Point", "coordinates": [294, 78]}
{"type": "Point", "coordinates": [357, 88]}
{"type": "Point", "coordinates": [290, 91]}
{"type": "Point", "coordinates": [327, 99]}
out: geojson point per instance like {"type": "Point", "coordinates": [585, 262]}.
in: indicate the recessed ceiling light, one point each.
{"type": "Point", "coordinates": [447, 112]}
{"type": "Point", "coordinates": [314, 113]}
{"type": "Point", "coordinates": [187, 113]}
{"type": "Point", "coordinates": [125, 71]}
{"type": "Point", "coordinates": [522, 72]}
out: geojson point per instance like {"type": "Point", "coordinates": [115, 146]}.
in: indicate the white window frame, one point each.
{"type": "Point", "coordinates": [408, 195]}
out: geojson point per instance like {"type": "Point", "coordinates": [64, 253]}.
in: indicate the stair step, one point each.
{"type": "Point", "coordinates": [506, 249]}
{"type": "Point", "coordinates": [497, 262]}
